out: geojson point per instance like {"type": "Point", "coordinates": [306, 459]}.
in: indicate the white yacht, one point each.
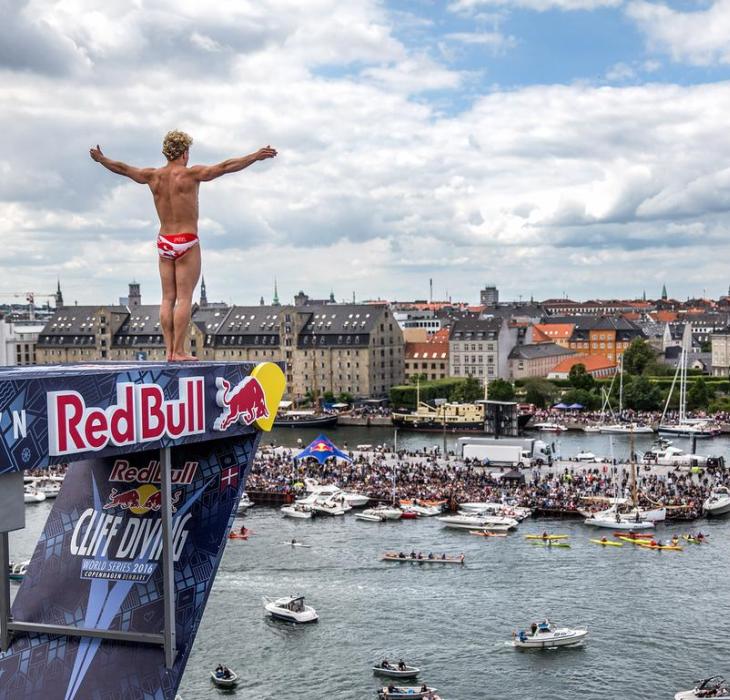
{"type": "Point", "coordinates": [245, 503]}
{"type": "Point", "coordinates": [329, 491]}
{"type": "Point", "coordinates": [718, 502]}
{"type": "Point", "coordinates": [33, 495]}
{"type": "Point", "coordinates": [385, 512]}
{"type": "Point", "coordinates": [546, 636]}
{"type": "Point", "coordinates": [654, 515]}
{"type": "Point", "coordinates": [290, 609]}
{"type": "Point", "coordinates": [549, 427]}
{"type": "Point", "coordinates": [478, 522]}
{"type": "Point", "coordinates": [626, 429]}
{"type": "Point", "coordinates": [297, 510]}
{"type": "Point", "coordinates": [493, 508]}
{"type": "Point", "coordinates": [618, 522]}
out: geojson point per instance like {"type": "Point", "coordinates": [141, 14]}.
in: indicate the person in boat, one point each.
{"type": "Point", "coordinates": [413, 554]}
{"type": "Point", "coordinates": [401, 555]}
{"type": "Point", "coordinates": [293, 541]}
{"type": "Point", "coordinates": [604, 539]}
{"type": "Point", "coordinates": [402, 665]}
{"type": "Point", "coordinates": [533, 628]}
{"type": "Point", "coordinates": [391, 688]}
{"type": "Point", "coordinates": [419, 555]}
{"type": "Point", "coordinates": [219, 671]}
{"type": "Point", "coordinates": [544, 535]}
{"type": "Point", "coordinates": [385, 664]}
{"type": "Point", "coordinates": [424, 688]}
{"type": "Point", "coordinates": [226, 672]}
{"type": "Point", "coordinates": [443, 556]}
{"type": "Point", "coordinates": [430, 555]}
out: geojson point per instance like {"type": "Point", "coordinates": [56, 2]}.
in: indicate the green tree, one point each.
{"type": "Point", "coordinates": [467, 391]}
{"type": "Point", "coordinates": [639, 357]}
{"type": "Point", "coordinates": [418, 378]}
{"type": "Point", "coordinates": [344, 397]}
{"type": "Point", "coordinates": [699, 394]}
{"type": "Point", "coordinates": [579, 378]}
{"type": "Point", "coordinates": [501, 390]}
{"type": "Point", "coordinates": [539, 391]}
{"type": "Point", "coordinates": [328, 397]}
{"type": "Point", "coordinates": [585, 398]}
{"type": "Point", "coordinates": [642, 395]}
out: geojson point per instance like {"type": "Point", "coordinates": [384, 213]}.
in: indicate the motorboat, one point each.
{"type": "Point", "coordinates": [330, 507]}
{"type": "Point", "coordinates": [654, 515]}
{"type": "Point", "coordinates": [713, 687]}
{"type": "Point", "coordinates": [370, 517]}
{"type": "Point", "coordinates": [414, 692]}
{"type": "Point", "coordinates": [492, 508]}
{"type": "Point", "coordinates": [586, 457]}
{"type": "Point", "coordinates": [386, 512]}
{"type": "Point", "coordinates": [545, 635]}
{"type": "Point", "coordinates": [33, 495]}
{"type": "Point", "coordinates": [549, 427]}
{"type": "Point", "coordinates": [326, 492]}
{"type": "Point", "coordinates": [423, 511]}
{"type": "Point", "coordinates": [699, 429]}
{"type": "Point", "coordinates": [50, 488]}
{"type": "Point", "coordinates": [16, 572]}
{"type": "Point", "coordinates": [670, 456]}
{"type": "Point", "coordinates": [478, 522]}
{"type": "Point", "coordinates": [297, 510]}
{"type": "Point", "coordinates": [617, 522]}
{"type": "Point", "coordinates": [226, 679]}
{"type": "Point", "coordinates": [290, 609]}
{"type": "Point", "coordinates": [626, 429]}
{"type": "Point", "coordinates": [718, 503]}
{"type": "Point", "coordinates": [245, 503]}
{"type": "Point", "coordinates": [401, 670]}
{"type": "Point", "coordinates": [592, 428]}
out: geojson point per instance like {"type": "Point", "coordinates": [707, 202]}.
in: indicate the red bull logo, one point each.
{"type": "Point", "coordinates": [141, 414]}
{"type": "Point", "coordinates": [244, 403]}
{"type": "Point", "coordinates": [140, 501]}
{"type": "Point", "coordinates": [321, 447]}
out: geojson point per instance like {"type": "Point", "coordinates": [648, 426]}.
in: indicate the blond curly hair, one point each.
{"type": "Point", "coordinates": [175, 144]}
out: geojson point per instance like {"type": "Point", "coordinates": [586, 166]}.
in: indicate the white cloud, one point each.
{"type": "Point", "coordinates": [539, 5]}
{"type": "Point", "coordinates": [699, 37]}
{"type": "Point", "coordinates": [495, 40]}
{"type": "Point", "coordinates": [375, 189]}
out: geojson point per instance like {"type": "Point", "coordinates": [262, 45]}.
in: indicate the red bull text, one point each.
{"type": "Point", "coordinates": [141, 414]}
{"type": "Point", "coordinates": [245, 403]}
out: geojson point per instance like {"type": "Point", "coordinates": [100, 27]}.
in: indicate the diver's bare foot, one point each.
{"type": "Point", "coordinates": [180, 357]}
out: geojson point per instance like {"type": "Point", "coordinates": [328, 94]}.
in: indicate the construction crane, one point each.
{"type": "Point", "coordinates": [30, 298]}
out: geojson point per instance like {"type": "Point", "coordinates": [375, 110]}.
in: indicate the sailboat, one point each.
{"type": "Point", "coordinates": [619, 428]}
{"type": "Point", "coordinates": [685, 427]}
{"type": "Point", "coordinates": [635, 518]}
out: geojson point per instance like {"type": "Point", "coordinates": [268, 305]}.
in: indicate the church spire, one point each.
{"type": "Point", "coordinates": [275, 300]}
{"type": "Point", "coordinates": [664, 292]}
{"type": "Point", "coordinates": [203, 294]}
{"type": "Point", "coordinates": [59, 296]}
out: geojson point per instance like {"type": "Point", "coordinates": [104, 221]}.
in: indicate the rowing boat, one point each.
{"type": "Point", "coordinates": [635, 535]}
{"type": "Point", "coordinates": [546, 537]}
{"type": "Point", "coordinates": [607, 543]}
{"type": "Point", "coordinates": [393, 556]}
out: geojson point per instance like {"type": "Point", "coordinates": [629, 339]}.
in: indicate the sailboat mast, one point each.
{"type": "Point", "coordinates": [621, 386]}
{"type": "Point", "coordinates": [634, 499]}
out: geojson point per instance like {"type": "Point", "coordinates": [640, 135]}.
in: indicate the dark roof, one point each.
{"type": "Point", "coordinates": [538, 350]}
{"type": "Point", "coordinates": [476, 329]}
{"type": "Point", "coordinates": [335, 319]}
{"type": "Point", "coordinates": [74, 325]}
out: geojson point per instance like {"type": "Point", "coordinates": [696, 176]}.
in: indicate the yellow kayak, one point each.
{"type": "Point", "coordinates": [670, 547]}
{"type": "Point", "coordinates": [633, 541]}
{"type": "Point", "coordinates": [546, 537]}
{"type": "Point", "coordinates": [607, 543]}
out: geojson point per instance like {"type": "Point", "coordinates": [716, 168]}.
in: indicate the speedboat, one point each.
{"type": "Point", "coordinates": [586, 457]}
{"type": "Point", "coordinates": [413, 692]}
{"type": "Point", "coordinates": [330, 507]}
{"type": "Point", "coordinates": [16, 572]}
{"type": "Point", "coordinates": [546, 636]}
{"type": "Point", "coordinates": [33, 495]}
{"type": "Point", "coordinates": [422, 510]}
{"type": "Point", "coordinates": [615, 521]}
{"type": "Point", "coordinates": [330, 491]}
{"type": "Point", "coordinates": [399, 671]}
{"type": "Point", "coordinates": [385, 512]}
{"type": "Point", "coordinates": [626, 429]}
{"type": "Point", "coordinates": [670, 456]}
{"type": "Point", "coordinates": [290, 609]}
{"type": "Point", "coordinates": [492, 508]}
{"type": "Point", "coordinates": [227, 680]}
{"type": "Point", "coordinates": [297, 510]}
{"type": "Point", "coordinates": [549, 427]}
{"type": "Point", "coordinates": [370, 517]}
{"type": "Point", "coordinates": [652, 515]}
{"type": "Point", "coordinates": [478, 522]}
{"type": "Point", "coordinates": [244, 503]}
{"type": "Point", "coordinates": [718, 502]}
{"type": "Point", "coordinates": [713, 687]}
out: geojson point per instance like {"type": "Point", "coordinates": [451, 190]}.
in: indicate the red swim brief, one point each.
{"type": "Point", "coordinates": [172, 246]}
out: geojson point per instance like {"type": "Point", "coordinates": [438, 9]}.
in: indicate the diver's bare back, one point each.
{"type": "Point", "coordinates": [175, 191]}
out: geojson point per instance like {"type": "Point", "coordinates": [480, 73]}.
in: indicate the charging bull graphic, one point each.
{"type": "Point", "coordinates": [246, 402]}
{"type": "Point", "coordinates": [141, 500]}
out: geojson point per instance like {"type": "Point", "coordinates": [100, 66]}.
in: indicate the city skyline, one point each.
{"type": "Point", "coordinates": [552, 147]}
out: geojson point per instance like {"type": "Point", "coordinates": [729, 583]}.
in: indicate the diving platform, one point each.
{"type": "Point", "coordinates": [157, 455]}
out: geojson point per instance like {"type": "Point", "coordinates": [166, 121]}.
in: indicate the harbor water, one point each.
{"type": "Point", "coordinates": [657, 620]}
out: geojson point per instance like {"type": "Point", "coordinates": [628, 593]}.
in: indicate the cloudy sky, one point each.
{"type": "Point", "coordinates": [552, 147]}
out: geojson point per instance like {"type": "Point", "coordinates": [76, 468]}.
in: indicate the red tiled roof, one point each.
{"type": "Point", "coordinates": [592, 363]}
{"type": "Point", "coordinates": [555, 331]}
{"type": "Point", "coordinates": [427, 351]}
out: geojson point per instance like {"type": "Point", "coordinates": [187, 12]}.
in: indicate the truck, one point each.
{"type": "Point", "coordinates": [515, 452]}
